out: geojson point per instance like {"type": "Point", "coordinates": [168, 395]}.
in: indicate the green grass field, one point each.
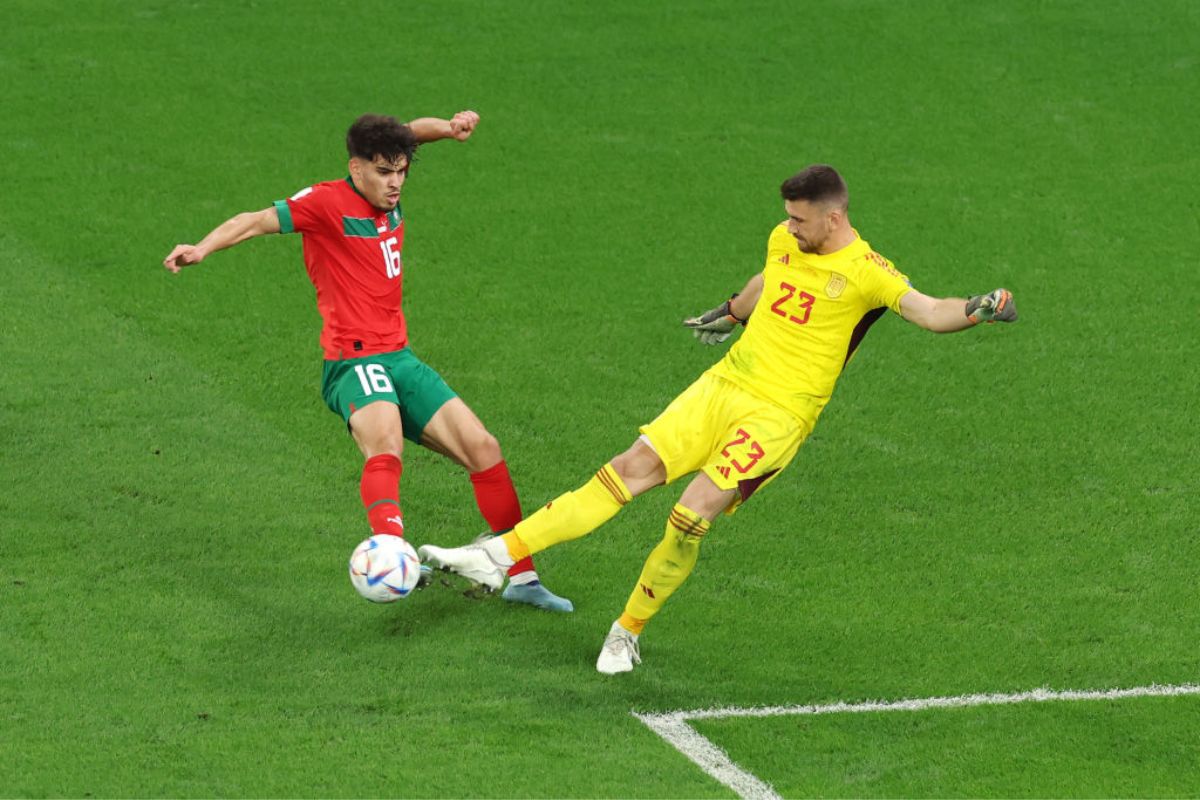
{"type": "Point", "coordinates": [1004, 509]}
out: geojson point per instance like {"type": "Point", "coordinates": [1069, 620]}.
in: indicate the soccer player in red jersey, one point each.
{"type": "Point", "coordinates": [353, 232]}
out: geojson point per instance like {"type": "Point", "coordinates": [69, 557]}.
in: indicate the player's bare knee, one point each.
{"type": "Point", "coordinates": [384, 440]}
{"type": "Point", "coordinates": [386, 445]}
{"type": "Point", "coordinates": [705, 498]}
{"type": "Point", "coordinates": [640, 467]}
{"type": "Point", "coordinates": [378, 430]}
{"type": "Point", "coordinates": [483, 452]}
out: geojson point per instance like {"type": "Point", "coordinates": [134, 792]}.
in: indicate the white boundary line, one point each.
{"type": "Point", "coordinates": [674, 728]}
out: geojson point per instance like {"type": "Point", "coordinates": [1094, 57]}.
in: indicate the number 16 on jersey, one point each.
{"type": "Point", "coordinates": [391, 256]}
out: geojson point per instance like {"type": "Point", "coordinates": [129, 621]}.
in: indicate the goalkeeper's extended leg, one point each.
{"type": "Point", "coordinates": [566, 517]}
{"type": "Point", "coordinates": [665, 570]}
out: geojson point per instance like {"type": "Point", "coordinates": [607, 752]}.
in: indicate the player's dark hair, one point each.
{"type": "Point", "coordinates": [819, 183]}
{"type": "Point", "coordinates": [379, 135]}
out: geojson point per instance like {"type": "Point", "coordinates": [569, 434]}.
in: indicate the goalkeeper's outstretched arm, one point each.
{"type": "Point", "coordinates": [742, 303]}
{"type": "Point", "coordinates": [715, 325]}
{"type": "Point", "coordinates": [950, 314]}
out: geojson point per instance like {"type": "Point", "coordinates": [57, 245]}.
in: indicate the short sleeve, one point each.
{"type": "Point", "coordinates": [286, 225]}
{"type": "Point", "coordinates": [882, 284]}
{"type": "Point", "coordinates": [303, 212]}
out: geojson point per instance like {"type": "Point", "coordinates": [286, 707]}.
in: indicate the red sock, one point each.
{"type": "Point", "coordinates": [497, 500]}
{"type": "Point", "coordinates": [380, 489]}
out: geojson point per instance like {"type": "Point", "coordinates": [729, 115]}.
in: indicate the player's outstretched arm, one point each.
{"type": "Point", "coordinates": [715, 325]}
{"type": "Point", "coordinates": [950, 314]}
{"type": "Point", "coordinates": [431, 129]}
{"type": "Point", "coordinates": [230, 232]}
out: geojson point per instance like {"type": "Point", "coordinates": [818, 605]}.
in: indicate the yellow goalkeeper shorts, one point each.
{"type": "Point", "coordinates": [736, 438]}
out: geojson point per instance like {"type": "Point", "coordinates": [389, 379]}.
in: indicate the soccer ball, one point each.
{"type": "Point", "coordinates": [384, 568]}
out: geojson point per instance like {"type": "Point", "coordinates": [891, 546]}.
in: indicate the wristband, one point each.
{"type": "Point", "coordinates": [729, 304]}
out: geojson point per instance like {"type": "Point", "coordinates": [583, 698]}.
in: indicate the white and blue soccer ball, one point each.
{"type": "Point", "coordinates": [384, 568]}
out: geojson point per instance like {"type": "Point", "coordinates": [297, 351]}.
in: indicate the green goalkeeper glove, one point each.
{"type": "Point", "coordinates": [715, 325]}
{"type": "Point", "coordinates": [997, 306]}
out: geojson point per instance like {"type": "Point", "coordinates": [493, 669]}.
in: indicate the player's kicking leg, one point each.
{"type": "Point", "coordinates": [665, 570]}
{"type": "Point", "coordinates": [457, 433]}
{"type": "Point", "coordinates": [566, 517]}
{"type": "Point", "coordinates": [378, 431]}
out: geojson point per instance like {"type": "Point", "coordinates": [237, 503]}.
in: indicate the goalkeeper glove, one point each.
{"type": "Point", "coordinates": [715, 325]}
{"type": "Point", "coordinates": [997, 306]}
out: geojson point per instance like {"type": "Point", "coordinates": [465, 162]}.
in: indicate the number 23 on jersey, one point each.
{"type": "Point", "coordinates": [786, 308]}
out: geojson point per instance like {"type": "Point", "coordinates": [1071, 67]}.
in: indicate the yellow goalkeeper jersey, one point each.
{"type": "Point", "coordinates": [813, 312]}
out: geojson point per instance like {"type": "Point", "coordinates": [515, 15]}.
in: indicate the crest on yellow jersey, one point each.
{"type": "Point", "coordinates": [836, 285]}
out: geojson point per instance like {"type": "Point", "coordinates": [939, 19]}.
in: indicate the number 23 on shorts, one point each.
{"type": "Point", "coordinates": [753, 450]}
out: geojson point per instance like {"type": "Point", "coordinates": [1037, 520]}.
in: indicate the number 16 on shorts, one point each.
{"type": "Point", "coordinates": [374, 378]}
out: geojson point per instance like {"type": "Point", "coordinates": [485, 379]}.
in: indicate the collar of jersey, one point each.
{"type": "Point", "coordinates": [395, 215]}
{"type": "Point", "coordinates": [350, 183]}
{"type": "Point", "coordinates": [848, 250]}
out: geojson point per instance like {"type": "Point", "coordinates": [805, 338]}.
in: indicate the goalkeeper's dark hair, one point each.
{"type": "Point", "coordinates": [819, 183]}
{"type": "Point", "coordinates": [379, 135]}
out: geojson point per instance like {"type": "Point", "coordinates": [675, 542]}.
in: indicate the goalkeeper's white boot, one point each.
{"type": "Point", "coordinates": [620, 651]}
{"type": "Point", "coordinates": [472, 562]}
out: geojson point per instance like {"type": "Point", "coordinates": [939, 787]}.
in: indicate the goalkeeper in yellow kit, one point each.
{"type": "Point", "coordinates": [744, 419]}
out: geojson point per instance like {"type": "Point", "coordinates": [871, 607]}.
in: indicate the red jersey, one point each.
{"type": "Point", "coordinates": [352, 253]}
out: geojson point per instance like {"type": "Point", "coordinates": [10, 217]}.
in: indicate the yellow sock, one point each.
{"type": "Point", "coordinates": [570, 515]}
{"type": "Point", "coordinates": [667, 567]}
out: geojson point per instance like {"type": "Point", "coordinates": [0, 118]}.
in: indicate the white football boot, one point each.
{"type": "Point", "coordinates": [620, 651]}
{"type": "Point", "coordinates": [472, 562]}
